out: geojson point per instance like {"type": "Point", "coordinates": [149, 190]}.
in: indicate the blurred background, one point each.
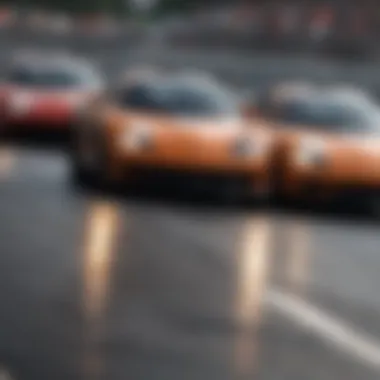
{"type": "Point", "coordinates": [334, 29]}
{"type": "Point", "coordinates": [98, 287]}
{"type": "Point", "coordinates": [269, 40]}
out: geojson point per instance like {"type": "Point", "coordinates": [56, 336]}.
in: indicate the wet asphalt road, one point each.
{"type": "Point", "coordinates": [114, 287]}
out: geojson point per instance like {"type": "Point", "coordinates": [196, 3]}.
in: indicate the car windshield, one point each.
{"type": "Point", "coordinates": [179, 98]}
{"type": "Point", "coordinates": [330, 114]}
{"type": "Point", "coordinates": [52, 77]}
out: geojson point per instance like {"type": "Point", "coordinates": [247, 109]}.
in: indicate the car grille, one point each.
{"type": "Point", "coordinates": [187, 180]}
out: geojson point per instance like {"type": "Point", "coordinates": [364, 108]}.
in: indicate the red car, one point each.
{"type": "Point", "coordinates": [45, 92]}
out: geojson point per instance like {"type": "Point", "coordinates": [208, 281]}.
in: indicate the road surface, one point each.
{"type": "Point", "coordinates": [115, 287]}
{"type": "Point", "coordinates": [106, 286]}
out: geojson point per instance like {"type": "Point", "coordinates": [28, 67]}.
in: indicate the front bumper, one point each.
{"type": "Point", "coordinates": [203, 182]}
{"type": "Point", "coordinates": [205, 161]}
{"type": "Point", "coordinates": [41, 120]}
{"type": "Point", "coordinates": [339, 175]}
{"type": "Point", "coordinates": [308, 188]}
{"type": "Point", "coordinates": [197, 168]}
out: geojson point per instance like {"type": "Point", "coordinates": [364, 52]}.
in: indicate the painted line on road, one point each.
{"type": "Point", "coordinates": [251, 283]}
{"type": "Point", "coordinates": [255, 293]}
{"type": "Point", "coordinates": [102, 225]}
{"type": "Point", "coordinates": [331, 329]}
{"type": "Point", "coordinates": [290, 301]}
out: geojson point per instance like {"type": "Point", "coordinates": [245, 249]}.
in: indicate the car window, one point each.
{"type": "Point", "coordinates": [178, 98]}
{"type": "Point", "coordinates": [52, 77]}
{"type": "Point", "coordinates": [329, 114]}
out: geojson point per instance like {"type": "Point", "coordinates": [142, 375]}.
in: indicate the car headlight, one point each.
{"type": "Point", "coordinates": [136, 139]}
{"type": "Point", "coordinates": [311, 152]}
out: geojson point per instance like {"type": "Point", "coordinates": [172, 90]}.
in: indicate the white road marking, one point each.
{"type": "Point", "coordinates": [251, 283]}
{"type": "Point", "coordinates": [331, 329]}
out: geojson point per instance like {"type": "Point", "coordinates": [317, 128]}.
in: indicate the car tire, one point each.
{"type": "Point", "coordinates": [87, 171]}
{"type": "Point", "coordinates": [231, 195]}
{"type": "Point", "coordinates": [373, 207]}
{"type": "Point", "coordinates": [261, 199]}
{"type": "Point", "coordinates": [4, 129]}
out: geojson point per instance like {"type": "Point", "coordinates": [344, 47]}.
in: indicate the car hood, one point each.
{"type": "Point", "coordinates": [370, 140]}
{"type": "Point", "coordinates": [213, 128]}
{"type": "Point", "coordinates": [38, 96]}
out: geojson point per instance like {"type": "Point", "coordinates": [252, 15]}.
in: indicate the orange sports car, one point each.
{"type": "Point", "coordinates": [328, 143]}
{"type": "Point", "coordinates": [185, 131]}
{"type": "Point", "coordinates": [44, 91]}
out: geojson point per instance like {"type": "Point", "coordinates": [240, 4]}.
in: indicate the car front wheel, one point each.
{"type": "Point", "coordinates": [88, 157]}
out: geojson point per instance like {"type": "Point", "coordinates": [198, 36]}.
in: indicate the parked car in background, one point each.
{"type": "Point", "coordinates": [44, 91]}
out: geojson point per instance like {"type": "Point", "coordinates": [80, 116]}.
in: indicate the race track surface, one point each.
{"type": "Point", "coordinates": [114, 287]}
